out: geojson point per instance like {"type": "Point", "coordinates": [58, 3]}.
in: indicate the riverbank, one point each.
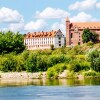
{"type": "Point", "coordinates": [38, 75]}
{"type": "Point", "coordinates": [22, 75]}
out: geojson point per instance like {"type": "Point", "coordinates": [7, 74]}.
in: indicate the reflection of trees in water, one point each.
{"type": "Point", "coordinates": [50, 82]}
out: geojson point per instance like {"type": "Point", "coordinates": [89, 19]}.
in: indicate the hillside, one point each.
{"type": "Point", "coordinates": [75, 59]}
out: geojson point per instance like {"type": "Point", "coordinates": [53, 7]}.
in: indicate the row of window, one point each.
{"type": "Point", "coordinates": [48, 42]}
{"type": "Point", "coordinates": [38, 46]}
{"type": "Point", "coordinates": [40, 39]}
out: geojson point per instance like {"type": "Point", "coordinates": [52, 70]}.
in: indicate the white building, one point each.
{"type": "Point", "coordinates": [43, 40]}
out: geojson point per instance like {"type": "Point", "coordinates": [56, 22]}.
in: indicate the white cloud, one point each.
{"type": "Point", "coordinates": [52, 13]}
{"type": "Point", "coordinates": [9, 15]}
{"type": "Point", "coordinates": [16, 27]}
{"type": "Point", "coordinates": [57, 26]}
{"type": "Point", "coordinates": [83, 17]}
{"type": "Point", "coordinates": [98, 5]}
{"type": "Point", "coordinates": [83, 5]}
{"type": "Point", "coordinates": [35, 26]}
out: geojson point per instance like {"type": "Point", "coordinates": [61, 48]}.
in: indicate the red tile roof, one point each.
{"type": "Point", "coordinates": [90, 25]}
{"type": "Point", "coordinates": [40, 34]}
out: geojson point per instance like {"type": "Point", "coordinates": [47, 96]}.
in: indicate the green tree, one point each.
{"type": "Point", "coordinates": [94, 58]}
{"type": "Point", "coordinates": [30, 63]}
{"type": "Point", "coordinates": [89, 36]}
{"type": "Point", "coordinates": [11, 42]}
{"type": "Point", "coordinates": [9, 64]}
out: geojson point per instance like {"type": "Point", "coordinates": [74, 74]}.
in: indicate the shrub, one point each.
{"type": "Point", "coordinates": [94, 58]}
{"type": "Point", "coordinates": [90, 43]}
{"type": "Point", "coordinates": [77, 66]}
{"type": "Point", "coordinates": [55, 70]}
{"type": "Point", "coordinates": [90, 73]}
{"type": "Point", "coordinates": [9, 64]}
{"type": "Point", "coordinates": [70, 74]}
{"type": "Point", "coordinates": [52, 47]}
{"type": "Point", "coordinates": [30, 63]}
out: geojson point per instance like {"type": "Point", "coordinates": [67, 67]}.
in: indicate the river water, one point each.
{"type": "Point", "coordinates": [63, 89]}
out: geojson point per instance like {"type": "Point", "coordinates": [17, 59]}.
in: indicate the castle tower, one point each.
{"type": "Point", "coordinates": [68, 40]}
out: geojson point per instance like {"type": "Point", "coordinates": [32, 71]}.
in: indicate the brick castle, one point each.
{"type": "Point", "coordinates": [74, 31]}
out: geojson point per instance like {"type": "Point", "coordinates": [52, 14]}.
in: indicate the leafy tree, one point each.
{"type": "Point", "coordinates": [11, 42]}
{"type": "Point", "coordinates": [30, 64]}
{"type": "Point", "coordinates": [94, 58]}
{"type": "Point", "coordinates": [9, 64]}
{"type": "Point", "coordinates": [89, 36]}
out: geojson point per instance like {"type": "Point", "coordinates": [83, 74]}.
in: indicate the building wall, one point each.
{"type": "Point", "coordinates": [38, 43]}
{"type": "Point", "coordinates": [34, 43]}
{"type": "Point", "coordinates": [59, 42]}
{"type": "Point", "coordinates": [74, 32]}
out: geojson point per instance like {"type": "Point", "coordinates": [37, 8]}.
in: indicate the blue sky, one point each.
{"type": "Point", "coordinates": [45, 15]}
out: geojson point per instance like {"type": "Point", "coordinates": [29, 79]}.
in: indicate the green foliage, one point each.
{"type": "Point", "coordinates": [91, 73]}
{"type": "Point", "coordinates": [90, 43]}
{"type": "Point", "coordinates": [71, 74]}
{"type": "Point", "coordinates": [74, 58]}
{"type": "Point", "coordinates": [54, 71]}
{"type": "Point", "coordinates": [76, 50]}
{"type": "Point", "coordinates": [55, 59]}
{"type": "Point", "coordinates": [52, 47]}
{"type": "Point", "coordinates": [9, 64]}
{"type": "Point", "coordinates": [77, 66]}
{"type": "Point", "coordinates": [89, 36]}
{"type": "Point", "coordinates": [30, 64]}
{"type": "Point", "coordinates": [94, 58]}
{"type": "Point", "coordinates": [11, 42]}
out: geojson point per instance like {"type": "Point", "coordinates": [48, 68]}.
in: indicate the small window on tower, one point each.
{"type": "Point", "coordinates": [71, 35]}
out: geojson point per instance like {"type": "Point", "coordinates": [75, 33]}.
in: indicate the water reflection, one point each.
{"type": "Point", "coordinates": [49, 82]}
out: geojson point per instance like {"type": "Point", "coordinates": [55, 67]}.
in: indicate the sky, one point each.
{"type": "Point", "coordinates": [45, 15]}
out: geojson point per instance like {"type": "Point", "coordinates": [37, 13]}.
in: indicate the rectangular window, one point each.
{"type": "Point", "coordinates": [59, 38]}
{"type": "Point", "coordinates": [71, 35]}
{"type": "Point", "coordinates": [59, 41]}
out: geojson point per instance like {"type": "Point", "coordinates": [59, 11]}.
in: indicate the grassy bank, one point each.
{"type": "Point", "coordinates": [76, 59]}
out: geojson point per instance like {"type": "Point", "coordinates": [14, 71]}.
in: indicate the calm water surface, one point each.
{"type": "Point", "coordinates": [70, 89]}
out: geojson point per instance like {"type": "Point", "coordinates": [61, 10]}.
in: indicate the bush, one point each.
{"type": "Point", "coordinates": [91, 73]}
{"type": "Point", "coordinates": [94, 58]}
{"type": "Point", "coordinates": [52, 47]}
{"type": "Point", "coordinates": [9, 64]}
{"type": "Point", "coordinates": [55, 70]}
{"type": "Point", "coordinates": [77, 66]}
{"type": "Point", "coordinates": [55, 59]}
{"type": "Point", "coordinates": [70, 74]}
{"type": "Point", "coordinates": [90, 43]}
{"type": "Point", "coordinates": [30, 63]}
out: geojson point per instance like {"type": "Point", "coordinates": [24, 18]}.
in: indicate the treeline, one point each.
{"type": "Point", "coordinates": [11, 42]}
{"type": "Point", "coordinates": [76, 59]}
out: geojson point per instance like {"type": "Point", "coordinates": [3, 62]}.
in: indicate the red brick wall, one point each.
{"type": "Point", "coordinates": [77, 36]}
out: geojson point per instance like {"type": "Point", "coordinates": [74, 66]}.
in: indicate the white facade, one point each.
{"type": "Point", "coordinates": [34, 43]}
